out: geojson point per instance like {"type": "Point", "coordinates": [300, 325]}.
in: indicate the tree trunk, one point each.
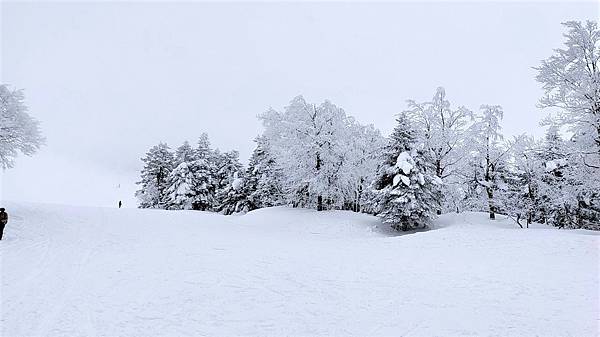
{"type": "Point", "coordinates": [490, 194]}
{"type": "Point", "coordinates": [359, 196]}
{"type": "Point", "coordinates": [519, 220]}
{"type": "Point", "coordinates": [320, 197]}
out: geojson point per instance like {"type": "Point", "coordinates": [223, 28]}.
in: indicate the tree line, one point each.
{"type": "Point", "coordinates": [439, 158]}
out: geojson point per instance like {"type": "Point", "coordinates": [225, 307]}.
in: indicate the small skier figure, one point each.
{"type": "Point", "coordinates": [120, 204]}
{"type": "Point", "coordinates": [3, 221]}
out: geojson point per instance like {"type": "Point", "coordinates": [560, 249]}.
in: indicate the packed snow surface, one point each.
{"type": "Point", "coordinates": [70, 271]}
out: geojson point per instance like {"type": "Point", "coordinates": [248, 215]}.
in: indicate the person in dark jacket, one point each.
{"type": "Point", "coordinates": [120, 204]}
{"type": "Point", "coordinates": [3, 221]}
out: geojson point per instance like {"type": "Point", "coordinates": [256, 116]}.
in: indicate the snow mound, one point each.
{"type": "Point", "coordinates": [306, 222]}
{"type": "Point", "coordinates": [237, 184]}
{"type": "Point", "coordinates": [405, 162]}
{"type": "Point", "coordinates": [75, 271]}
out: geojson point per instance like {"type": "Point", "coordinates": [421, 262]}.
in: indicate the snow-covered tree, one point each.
{"type": "Point", "coordinates": [568, 197]}
{"type": "Point", "coordinates": [227, 168]}
{"type": "Point", "coordinates": [362, 159]}
{"type": "Point", "coordinates": [203, 151]}
{"type": "Point", "coordinates": [158, 164]}
{"type": "Point", "coordinates": [19, 132]}
{"type": "Point", "coordinates": [407, 190]}
{"type": "Point", "coordinates": [312, 146]}
{"type": "Point", "coordinates": [205, 182]}
{"type": "Point", "coordinates": [442, 131]}
{"type": "Point", "coordinates": [234, 198]}
{"type": "Point", "coordinates": [521, 197]}
{"type": "Point", "coordinates": [488, 157]}
{"type": "Point", "coordinates": [571, 81]}
{"type": "Point", "coordinates": [552, 151]}
{"type": "Point", "coordinates": [263, 184]}
{"type": "Point", "coordinates": [184, 153]}
{"type": "Point", "coordinates": [181, 192]}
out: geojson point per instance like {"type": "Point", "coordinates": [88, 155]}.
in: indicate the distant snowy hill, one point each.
{"type": "Point", "coordinates": [76, 271]}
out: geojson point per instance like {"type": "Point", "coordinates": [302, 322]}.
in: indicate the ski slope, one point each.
{"type": "Point", "coordinates": [75, 271]}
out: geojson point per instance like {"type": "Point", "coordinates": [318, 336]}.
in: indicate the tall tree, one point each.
{"type": "Point", "coordinates": [184, 153]}
{"type": "Point", "coordinates": [158, 164]}
{"type": "Point", "coordinates": [234, 198]}
{"type": "Point", "coordinates": [489, 155]}
{"type": "Point", "coordinates": [263, 177]}
{"type": "Point", "coordinates": [407, 189]}
{"type": "Point", "coordinates": [521, 197]}
{"type": "Point", "coordinates": [361, 160]}
{"type": "Point", "coordinates": [311, 144]}
{"type": "Point", "coordinates": [205, 181]}
{"type": "Point", "coordinates": [441, 130]}
{"type": "Point", "coordinates": [227, 169]}
{"type": "Point", "coordinates": [19, 132]}
{"type": "Point", "coordinates": [571, 82]}
{"type": "Point", "coordinates": [181, 193]}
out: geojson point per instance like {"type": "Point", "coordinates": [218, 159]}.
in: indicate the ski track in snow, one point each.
{"type": "Point", "coordinates": [76, 271]}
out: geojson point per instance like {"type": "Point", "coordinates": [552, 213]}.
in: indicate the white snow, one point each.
{"type": "Point", "coordinates": [69, 271]}
{"type": "Point", "coordinates": [237, 183]}
{"type": "Point", "coordinates": [421, 179]}
{"type": "Point", "coordinates": [552, 165]}
{"type": "Point", "coordinates": [405, 162]}
{"type": "Point", "coordinates": [405, 179]}
{"type": "Point", "coordinates": [396, 180]}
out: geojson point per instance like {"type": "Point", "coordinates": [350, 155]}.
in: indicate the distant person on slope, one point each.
{"type": "Point", "coordinates": [120, 204]}
{"type": "Point", "coordinates": [3, 221]}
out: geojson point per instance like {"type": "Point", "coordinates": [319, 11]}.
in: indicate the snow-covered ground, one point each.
{"type": "Point", "coordinates": [75, 271]}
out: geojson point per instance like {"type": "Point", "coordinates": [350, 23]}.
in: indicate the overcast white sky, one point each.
{"type": "Point", "coordinates": [109, 80]}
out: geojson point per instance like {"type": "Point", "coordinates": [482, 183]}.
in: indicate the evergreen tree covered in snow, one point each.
{"type": "Point", "coordinates": [263, 184]}
{"type": "Point", "coordinates": [552, 156]}
{"type": "Point", "coordinates": [19, 132]}
{"type": "Point", "coordinates": [227, 169]}
{"type": "Point", "coordinates": [233, 198]}
{"type": "Point", "coordinates": [407, 189]}
{"type": "Point", "coordinates": [181, 192]}
{"type": "Point", "coordinates": [205, 182]}
{"type": "Point", "coordinates": [158, 164]}
{"type": "Point", "coordinates": [203, 151]}
{"type": "Point", "coordinates": [191, 182]}
{"type": "Point", "coordinates": [204, 185]}
{"type": "Point", "coordinates": [184, 153]}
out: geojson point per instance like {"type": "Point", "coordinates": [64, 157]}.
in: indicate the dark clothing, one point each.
{"type": "Point", "coordinates": [3, 222]}
{"type": "Point", "coordinates": [120, 204]}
